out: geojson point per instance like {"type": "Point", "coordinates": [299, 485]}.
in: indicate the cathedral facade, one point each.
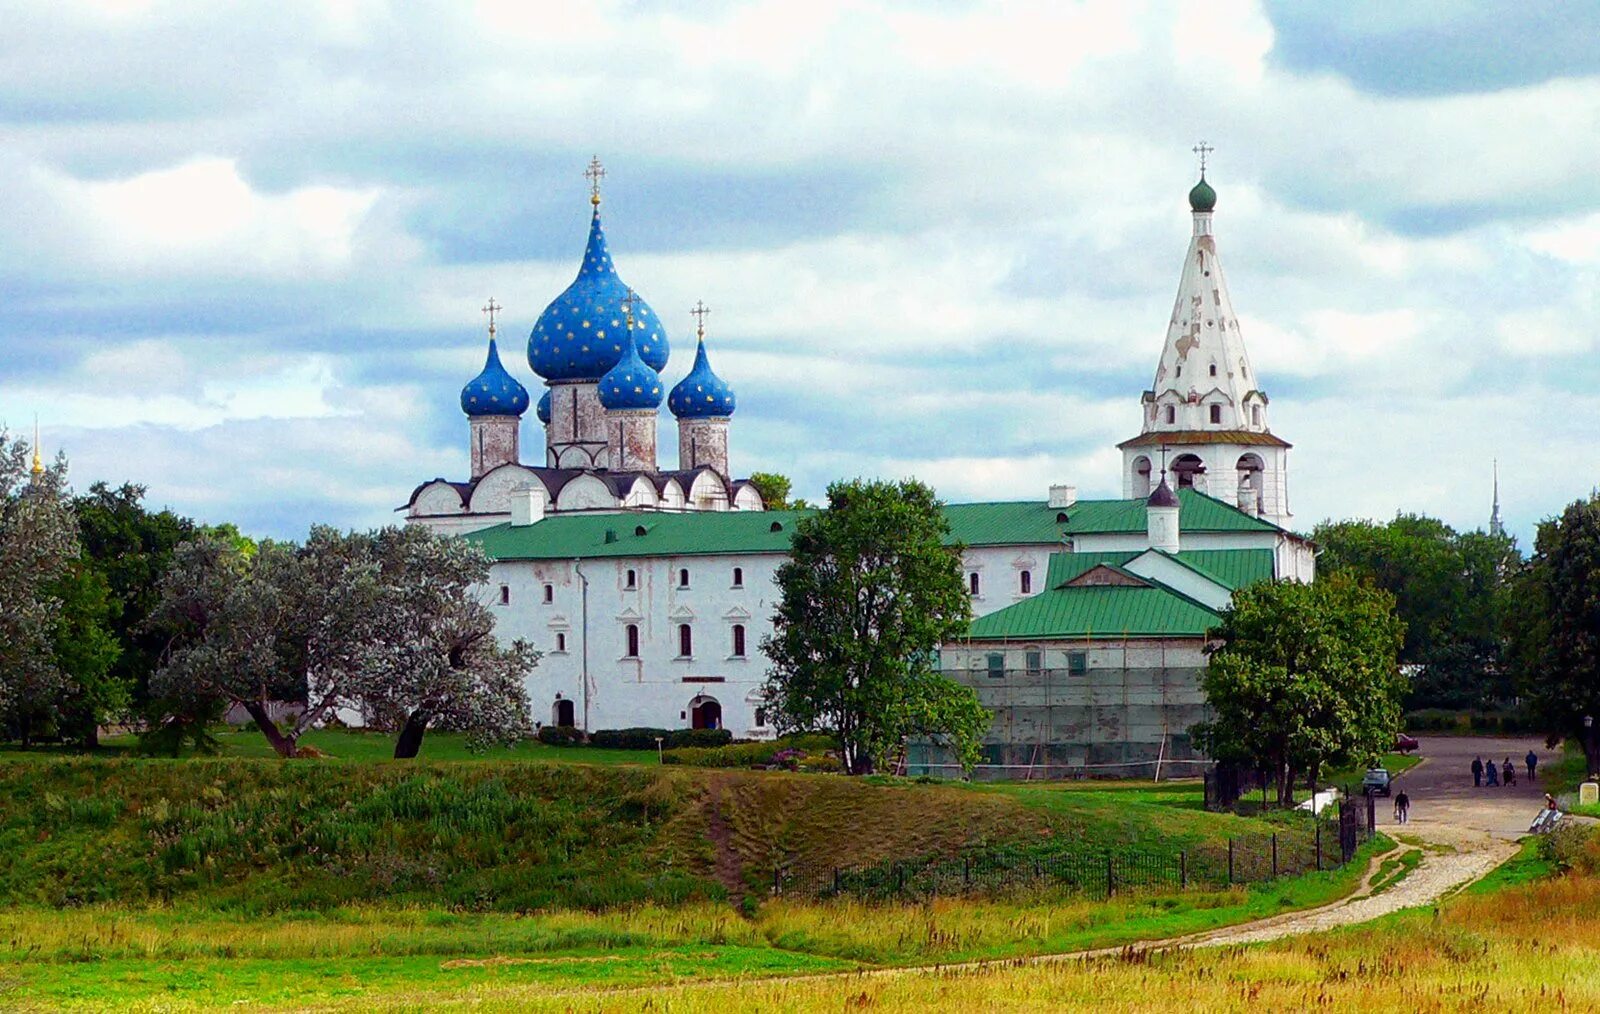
{"type": "Point", "coordinates": [649, 590]}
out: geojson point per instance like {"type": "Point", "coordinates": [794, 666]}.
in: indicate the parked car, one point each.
{"type": "Point", "coordinates": [1377, 782]}
{"type": "Point", "coordinates": [1404, 743]}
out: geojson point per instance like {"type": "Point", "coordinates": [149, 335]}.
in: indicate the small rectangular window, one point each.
{"type": "Point", "coordinates": [549, 593]}
{"type": "Point", "coordinates": [972, 584]}
{"type": "Point", "coordinates": [1025, 582]}
{"type": "Point", "coordinates": [1255, 414]}
{"type": "Point", "coordinates": [1216, 413]}
{"type": "Point", "coordinates": [633, 579]}
{"type": "Point", "coordinates": [761, 718]}
{"type": "Point", "coordinates": [561, 642]}
{"type": "Point", "coordinates": [738, 640]}
{"type": "Point", "coordinates": [683, 578]}
{"type": "Point", "coordinates": [997, 666]}
{"type": "Point", "coordinates": [1035, 662]}
{"type": "Point", "coordinates": [685, 641]}
{"type": "Point", "coordinates": [1077, 663]}
{"type": "Point", "coordinates": [1213, 369]}
{"type": "Point", "coordinates": [505, 595]}
{"type": "Point", "coordinates": [738, 577]}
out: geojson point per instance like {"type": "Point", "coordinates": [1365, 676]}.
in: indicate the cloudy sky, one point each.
{"type": "Point", "coordinates": [243, 247]}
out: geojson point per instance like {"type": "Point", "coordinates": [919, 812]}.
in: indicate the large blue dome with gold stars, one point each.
{"type": "Point", "coordinates": [494, 391]}
{"type": "Point", "coordinates": [632, 383]}
{"type": "Point", "coordinates": [702, 394]}
{"type": "Point", "coordinates": [580, 335]}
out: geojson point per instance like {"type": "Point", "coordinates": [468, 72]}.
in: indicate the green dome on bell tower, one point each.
{"type": "Point", "coordinates": [1202, 197]}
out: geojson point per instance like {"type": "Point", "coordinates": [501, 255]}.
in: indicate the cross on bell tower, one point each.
{"type": "Point", "coordinates": [1204, 150]}
{"type": "Point", "coordinates": [491, 308]}
{"type": "Point", "coordinates": [700, 311]}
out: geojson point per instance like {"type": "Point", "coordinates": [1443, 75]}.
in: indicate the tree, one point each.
{"type": "Point", "coordinates": [385, 622]}
{"type": "Point", "coordinates": [86, 651]}
{"type": "Point", "coordinates": [1303, 676]}
{"type": "Point", "coordinates": [869, 593]}
{"type": "Point", "coordinates": [774, 489]}
{"type": "Point", "coordinates": [38, 546]}
{"type": "Point", "coordinates": [1449, 589]}
{"type": "Point", "coordinates": [1555, 631]}
{"type": "Point", "coordinates": [130, 548]}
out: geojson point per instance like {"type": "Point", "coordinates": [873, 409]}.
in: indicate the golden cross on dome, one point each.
{"type": "Point", "coordinates": [700, 310]}
{"type": "Point", "coordinates": [1203, 150]}
{"type": "Point", "coordinates": [491, 309]}
{"type": "Point", "coordinates": [594, 174]}
{"type": "Point", "coordinates": [630, 301]}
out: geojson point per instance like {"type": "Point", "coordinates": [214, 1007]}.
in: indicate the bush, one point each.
{"type": "Point", "coordinates": [645, 738]}
{"type": "Point", "coordinates": [1511, 721]}
{"type": "Point", "coordinates": [1572, 846]}
{"type": "Point", "coordinates": [561, 735]}
{"type": "Point", "coordinates": [742, 755]}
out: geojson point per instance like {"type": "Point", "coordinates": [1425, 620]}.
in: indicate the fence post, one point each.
{"type": "Point", "coordinates": [1183, 871]}
{"type": "Point", "coordinates": [1274, 855]}
{"type": "Point", "coordinates": [1230, 860]}
{"type": "Point", "coordinates": [836, 880]}
{"type": "Point", "coordinates": [1318, 820]}
{"type": "Point", "coordinates": [1111, 877]}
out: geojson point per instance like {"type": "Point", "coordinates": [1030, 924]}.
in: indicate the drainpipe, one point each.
{"type": "Point", "coordinates": [583, 628]}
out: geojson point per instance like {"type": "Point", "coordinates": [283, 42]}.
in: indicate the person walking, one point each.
{"type": "Point", "coordinates": [1477, 772]}
{"type": "Point", "coordinates": [1508, 771]}
{"type": "Point", "coordinates": [1492, 774]}
{"type": "Point", "coordinates": [1402, 807]}
{"type": "Point", "coordinates": [1533, 764]}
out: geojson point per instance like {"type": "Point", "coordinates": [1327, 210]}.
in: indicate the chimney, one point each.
{"type": "Point", "coordinates": [527, 507]}
{"type": "Point", "coordinates": [1063, 496]}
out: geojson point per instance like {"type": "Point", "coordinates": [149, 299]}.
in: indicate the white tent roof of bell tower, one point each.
{"type": "Point", "coordinates": [1204, 333]}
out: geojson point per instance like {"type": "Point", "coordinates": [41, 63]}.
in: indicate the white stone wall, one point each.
{"type": "Point", "coordinates": [703, 442]}
{"type": "Point", "coordinates": [576, 435]}
{"type": "Point", "coordinates": [655, 688]}
{"type": "Point", "coordinates": [1221, 479]}
{"type": "Point", "coordinates": [495, 441]}
{"type": "Point", "coordinates": [632, 438]}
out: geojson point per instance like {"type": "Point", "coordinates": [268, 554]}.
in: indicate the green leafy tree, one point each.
{"type": "Point", "coordinates": [86, 652]}
{"type": "Point", "coordinates": [774, 489]}
{"type": "Point", "coordinates": [1555, 629]}
{"type": "Point", "coordinates": [1449, 589]}
{"type": "Point", "coordinates": [130, 547]}
{"type": "Point", "coordinates": [1303, 676]}
{"type": "Point", "coordinates": [869, 593]}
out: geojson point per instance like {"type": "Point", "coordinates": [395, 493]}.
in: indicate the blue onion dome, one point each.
{"type": "Point", "coordinates": [702, 394]}
{"type": "Point", "coordinates": [1202, 197]}
{"type": "Point", "coordinates": [494, 391]}
{"type": "Point", "coordinates": [543, 409]}
{"type": "Point", "coordinates": [632, 383]}
{"type": "Point", "coordinates": [580, 335]}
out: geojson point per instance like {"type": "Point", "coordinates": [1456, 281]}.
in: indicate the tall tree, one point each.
{"type": "Point", "coordinates": [1303, 676]}
{"type": "Point", "coordinates": [1449, 590]}
{"type": "Point", "coordinates": [86, 652]}
{"type": "Point", "coordinates": [1556, 628]}
{"type": "Point", "coordinates": [383, 622]}
{"type": "Point", "coordinates": [38, 546]}
{"type": "Point", "coordinates": [130, 547]}
{"type": "Point", "coordinates": [774, 489]}
{"type": "Point", "coordinates": [869, 593]}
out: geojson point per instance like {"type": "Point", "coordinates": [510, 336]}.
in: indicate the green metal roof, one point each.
{"type": "Point", "coordinates": [1231, 568]}
{"type": "Point", "coordinates": [1064, 567]}
{"type": "Point", "coordinates": [1020, 523]}
{"type": "Point", "coordinates": [1097, 612]}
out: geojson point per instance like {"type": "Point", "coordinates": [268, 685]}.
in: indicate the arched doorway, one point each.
{"type": "Point", "coordinates": [563, 714]}
{"type": "Point", "coordinates": [1189, 470]}
{"type": "Point", "coordinates": [1252, 482]}
{"type": "Point", "coordinates": [1141, 476]}
{"type": "Point", "coordinates": [705, 713]}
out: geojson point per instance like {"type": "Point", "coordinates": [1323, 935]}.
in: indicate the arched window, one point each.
{"type": "Point", "coordinates": [1172, 414]}
{"type": "Point", "coordinates": [683, 577]}
{"type": "Point", "coordinates": [738, 577]}
{"type": "Point", "coordinates": [1141, 476]}
{"type": "Point", "coordinates": [1188, 467]}
{"type": "Point", "coordinates": [549, 593]}
{"type": "Point", "coordinates": [705, 713]}
{"type": "Point", "coordinates": [1025, 582]}
{"type": "Point", "coordinates": [1252, 487]}
{"type": "Point", "coordinates": [972, 584]}
{"type": "Point", "coordinates": [738, 640]}
{"type": "Point", "coordinates": [563, 713]}
{"type": "Point", "coordinates": [633, 578]}
{"type": "Point", "coordinates": [1216, 414]}
{"type": "Point", "coordinates": [1213, 369]}
{"type": "Point", "coordinates": [633, 640]}
{"type": "Point", "coordinates": [505, 595]}
{"type": "Point", "coordinates": [1255, 415]}
{"type": "Point", "coordinates": [685, 640]}
{"type": "Point", "coordinates": [561, 641]}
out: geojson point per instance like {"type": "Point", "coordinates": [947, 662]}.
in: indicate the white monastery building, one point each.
{"type": "Point", "coordinates": [649, 589]}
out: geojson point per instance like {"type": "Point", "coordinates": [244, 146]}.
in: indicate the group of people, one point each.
{"type": "Point", "coordinates": [1504, 774]}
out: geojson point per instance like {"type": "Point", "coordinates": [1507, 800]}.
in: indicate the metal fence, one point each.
{"type": "Point", "coordinates": [1316, 843]}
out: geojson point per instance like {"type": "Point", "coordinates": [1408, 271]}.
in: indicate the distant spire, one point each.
{"type": "Point", "coordinates": [38, 460]}
{"type": "Point", "coordinates": [1496, 526]}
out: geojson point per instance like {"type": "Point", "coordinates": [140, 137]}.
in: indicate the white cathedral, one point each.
{"type": "Point", "coordinates": [649, 589]}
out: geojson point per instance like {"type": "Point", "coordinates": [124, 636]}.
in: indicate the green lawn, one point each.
{"type": "Point", "coordinates": [342, 744]}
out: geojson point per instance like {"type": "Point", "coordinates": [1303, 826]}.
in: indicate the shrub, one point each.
{"type": "Point", "coordinates": [741, 755]}
{"type": "Point", "coordinates": [1572, 846]}
{"type": "Point", "coordinates": [561, 735]}
{"type": "Point", "coordinates": [645, 738]}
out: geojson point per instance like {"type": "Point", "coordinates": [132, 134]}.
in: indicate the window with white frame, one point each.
{"type": "Point", "coordinates": [685, 641]}
{"type": "Point", "coordinates": [632, 637]}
